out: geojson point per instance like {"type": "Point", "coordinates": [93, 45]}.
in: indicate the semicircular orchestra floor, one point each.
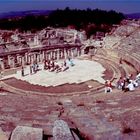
{"type": "Point", "coordinates": [82, 71]}
{"type": "Point", "coordinates": [83, 76]}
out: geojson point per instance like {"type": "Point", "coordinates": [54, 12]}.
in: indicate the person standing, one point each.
{"type": "Point", "coordinates": [22, 71]}
{"type": "Point", "coordinates": [108, 86]}
{"type": "Point", "coordinates": [130, 86]}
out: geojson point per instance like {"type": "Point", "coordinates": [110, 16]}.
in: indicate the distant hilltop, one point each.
{"type": "Point", "coordinates": [133, 16]}
{"type": "Point", "coordinates": [24, 13]}
{"type": "Point", "coordinates": [47, 12]}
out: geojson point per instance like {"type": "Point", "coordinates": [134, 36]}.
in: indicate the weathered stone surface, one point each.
{"type": "Point", "coordinates": [2, 135]}
{"type": "Point", "coordinates": [61, 131]}
{"type": "Point", "coordinates": [27, 133]}
{"type": "Point", "coordinates": [94, 114]}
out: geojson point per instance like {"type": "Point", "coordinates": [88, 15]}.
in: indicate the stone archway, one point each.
{"type": "Point", "coordinates": [91, 50]}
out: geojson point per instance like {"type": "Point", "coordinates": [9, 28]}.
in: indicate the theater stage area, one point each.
{"type": "Point", "coordinates": [83, 70]}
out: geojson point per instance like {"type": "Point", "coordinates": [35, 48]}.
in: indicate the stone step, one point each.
{"type": "Point", "coordinates": [27, 133]}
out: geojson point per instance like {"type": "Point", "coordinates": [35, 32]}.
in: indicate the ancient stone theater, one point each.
{"type": "Point", "coordinates": [56, 84]}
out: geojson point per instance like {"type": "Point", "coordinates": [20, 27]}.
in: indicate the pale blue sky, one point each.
{"type": "Point", "coordinates": [125, 6]}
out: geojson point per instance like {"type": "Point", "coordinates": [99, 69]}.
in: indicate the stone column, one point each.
{"type": "Point", "coordinates": [55, 54]}
{"type": "Point", "coordinates": [6, 63]}
{"type": "Point", "coordinates": [32, 58]}
{"type": "Point", "coordinates": [70, 53]}
{"type": "Point", "coordinates": [26, 57]}
{"type": "Point", "coordinates": [19, 59]}
{"type": "Point", "coordinates": [51, 55]}
{"type": "Point", "coordinates": [75, 52]}
{"type": "Point", "coordinates": [42, 56]}
{"type": "Point", "coordinates": [23, 60]}
{"type": "Point", "coordinates": [12, 65]}
{"type": "Point", "coordinates": [29, 59]}
{"type": "Point", "coordinates": [1, 64]}
{"type": "Point", "coordinates": [63, 55]}
{"type": "Point", "coordinates": [9, 60]}
{"type": "Point", "coordinates": [36, 57]}
{"type": "Point", "coordinates": [59, 54]}
{"type": "Point", "coordinates": [15, 59]}
{"type": "Point", "coordinates": [45, 55]}
{"type": "Point", "coordinates": [39, 57]}
{"type": "Point", "coordinates": [67, 53]}
{"type": "Point", "coordinates": [79, 49]}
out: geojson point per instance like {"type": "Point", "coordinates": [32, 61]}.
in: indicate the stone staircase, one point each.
{"type": "Point", "coordinates": [97, 116]}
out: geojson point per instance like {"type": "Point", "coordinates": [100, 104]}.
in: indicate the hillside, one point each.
{"type": "Point", "coordinates": [24, 13]}
{"type": "Point", "coordinates": [133, 16]}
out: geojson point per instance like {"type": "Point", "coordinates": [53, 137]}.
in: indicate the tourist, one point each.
{"type": "Point", "coordinates": [52, 66]}
{"type": "Point", "coordinates": [120, 83]}
{"type": "Point", "coordinates": [135, 83]}
{"type": "Point", "coordinates": [52, 63]}
{"type": "Point", "coordinates": [71, 62]}
{"type": "Point", "coordinates": [138, 78]}
{"type": "Point", "coordinates": [123, 84]}
{"type": "Point", "coordinates": [35, 67]}
{"type": "Point", "coordinates": [128, 78]}
{"type": "Point", "coordinates": [47, 65]}
{"type": "Point", "coordinates": [56, 64]}
{"type": "Point", "coordinates": [130, 86]}
{"type": "Point", "coordinates": [58, 69]}
{"type": "Point", "coordinates": [108, 86]}
{"type": "Point", "coordinates": [120, 61]}
{"type": "Point", "coordinates": [65, 64]}
{"type": "Point", "coordinates": [22, 71]}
